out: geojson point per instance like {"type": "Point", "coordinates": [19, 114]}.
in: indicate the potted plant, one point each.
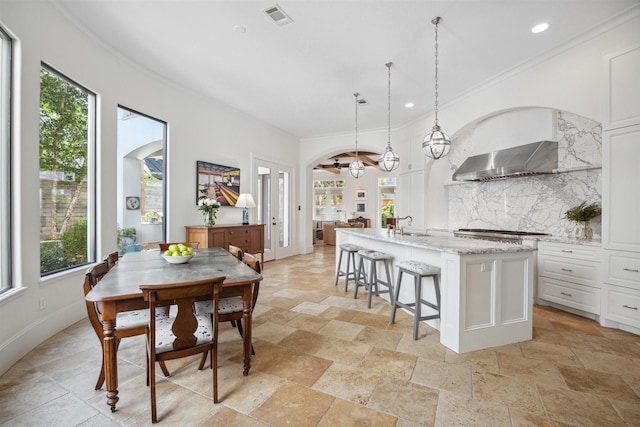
{"type": "Point", "coordinates": [150, 217]}
{"type": "Point", "coordinates": [583, 214]}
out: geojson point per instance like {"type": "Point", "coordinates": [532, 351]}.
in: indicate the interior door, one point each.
{"type": "Point", "coordinates": [275, 208]}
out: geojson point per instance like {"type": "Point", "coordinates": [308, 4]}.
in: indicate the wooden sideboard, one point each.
{"type": "Point", "coordinates": [250, 238]}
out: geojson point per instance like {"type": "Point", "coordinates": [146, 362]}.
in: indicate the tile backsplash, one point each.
{"type": "Point", "coordinates": [536, 203]}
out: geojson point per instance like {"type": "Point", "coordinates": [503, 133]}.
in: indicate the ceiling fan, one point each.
{"type": "Point", "coordinates": [337, 165]}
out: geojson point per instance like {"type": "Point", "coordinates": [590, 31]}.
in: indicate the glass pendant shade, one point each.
{"type": "Point", "coordinates": [389, 160]}
{"type": "Point", "coordinates": [356, 168]}
{"type": "Point", "coordinates": [436, 144]}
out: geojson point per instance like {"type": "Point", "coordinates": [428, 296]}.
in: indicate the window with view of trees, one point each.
{"type": "Point", "coordinates": [5, 160]}
{"type": "Point", "coordinates": [67, 135]}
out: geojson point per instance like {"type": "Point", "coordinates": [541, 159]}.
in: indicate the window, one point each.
{"type": "Point", "coordinates": [387, 188]}
{"type": "Point", "coordinates": [67, 183]}
{"type": "Point", "coordinates": [5, 160]}
{"type": "Point", "coordinates": [141, 184]}
{"type": "Point", "coordinates": [328, 200]}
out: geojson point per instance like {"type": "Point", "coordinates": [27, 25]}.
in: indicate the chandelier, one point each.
{"type": "Point", "coordinates": [437, 144]}
{"type": "Point", "coordinates": [389, 160]}
{"type": "Point", "coordinates": [356, 168]}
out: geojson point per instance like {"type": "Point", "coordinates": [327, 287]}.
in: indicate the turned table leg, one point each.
{"type": "Point", "coordinates": [110, 362]}
{"type": "Point", "coordinates": [247, 298]}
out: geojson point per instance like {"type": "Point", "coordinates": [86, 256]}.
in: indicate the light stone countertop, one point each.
{"type": "Point", "coordinates": [567, 239]}
{"type": "Point", "coordinates": [442, 243]}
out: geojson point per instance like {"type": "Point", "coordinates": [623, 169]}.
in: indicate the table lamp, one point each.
{"type": "Point", "coordinates": [245, 201]}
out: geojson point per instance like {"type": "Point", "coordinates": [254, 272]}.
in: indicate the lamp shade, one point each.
{"type": "Point", "coordinates": [245, 200]}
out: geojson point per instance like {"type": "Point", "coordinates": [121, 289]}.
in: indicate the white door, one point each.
{"type": "Point", "coordinates": [275, 208]}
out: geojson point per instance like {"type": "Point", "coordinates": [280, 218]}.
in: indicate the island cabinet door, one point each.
{"type": "Point", "coordinates": [487, 301]}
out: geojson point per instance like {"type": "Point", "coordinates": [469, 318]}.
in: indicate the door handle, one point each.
{"type": "Point", "coordinates": [566, 294]}
{"type": "Point", "coordinates": [631, 270]}
{"type": "Point", "coordinates": [566, 269]}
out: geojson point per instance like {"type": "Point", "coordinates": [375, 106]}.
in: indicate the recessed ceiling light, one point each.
{"type": "Point", "coordinates": [540, 28]}
{"type": "Point", "coordinates": [239, 29]}
{"type": "Point", "coordinates": [409, 105]}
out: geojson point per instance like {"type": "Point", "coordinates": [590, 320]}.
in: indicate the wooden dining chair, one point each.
{"type": "Point", "coordinates": [236, 252]}
{"type": "Point", "coordinates": [112, 259]}
{"type": "Point", "coordinates": [128, 324]}
{"type": "Point", "coordinates": [231, 309]}
{"type": "Point", "coordinates": [184, 333]}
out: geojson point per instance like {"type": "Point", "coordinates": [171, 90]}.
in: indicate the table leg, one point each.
{"type": "Point", "coordinates": [110, 362]}
{"type": "Point", "coordinates": [247, 298]}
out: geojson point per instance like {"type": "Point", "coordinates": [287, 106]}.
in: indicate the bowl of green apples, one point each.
{"type": "Point", "coordinates": [178, 254]}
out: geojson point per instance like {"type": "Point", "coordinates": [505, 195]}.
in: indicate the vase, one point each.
{"type": "Point", "coordinates": [584, 231]}
{"type": "Point", "coordinates": [209, 220]}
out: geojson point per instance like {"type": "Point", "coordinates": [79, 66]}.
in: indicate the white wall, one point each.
{"type": "Point", "coordinates": [198, 129]}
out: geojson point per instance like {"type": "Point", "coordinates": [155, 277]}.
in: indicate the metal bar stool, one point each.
{"type": "Point", "coordinates": [373, 283]}
{"type": "Point", "coordinates": [349, 274]}
{"type": "Point", "coordinates": [418, 270]}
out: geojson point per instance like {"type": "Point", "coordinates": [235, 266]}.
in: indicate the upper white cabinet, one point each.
{"type": "Point", "coordinates": [620, 195]}
{"type": "Point", "coordinates": [622, 91]}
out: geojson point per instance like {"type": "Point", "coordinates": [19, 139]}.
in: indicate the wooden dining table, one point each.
{"type": "Point", "coordinates": [119, 291]}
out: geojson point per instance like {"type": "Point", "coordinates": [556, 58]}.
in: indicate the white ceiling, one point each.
{"type": "Point", "coordinates": [301, 77]}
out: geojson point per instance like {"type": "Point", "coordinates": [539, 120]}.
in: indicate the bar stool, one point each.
{"type": "Point", "coordinates": [373, 284]}
{"type": "Point", "coordinates": [418, 270]}
{"type": "Point", "coordinates": [348, 274]}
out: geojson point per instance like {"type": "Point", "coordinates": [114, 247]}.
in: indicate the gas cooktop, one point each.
{"type": "Point", "coordinates": [509, 232]}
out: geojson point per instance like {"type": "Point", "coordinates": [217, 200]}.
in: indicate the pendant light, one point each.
{"type": "Point", "coordinates": [389, 160]}
{"type": "Point", "coordinates": [356, 168]}
{"type": "Point", "coordinates": [437, 144]}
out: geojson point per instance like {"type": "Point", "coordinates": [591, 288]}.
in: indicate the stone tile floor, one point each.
{"type": "Point", "coordinates": [323, 358]}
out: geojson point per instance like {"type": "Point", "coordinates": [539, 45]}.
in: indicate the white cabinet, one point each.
{"type": "Point", "coordinates": [622, 90]}
{"type": "Point", "coordinates": [570, 275]}
{"type": "Point", "coordinates": [620, 195]}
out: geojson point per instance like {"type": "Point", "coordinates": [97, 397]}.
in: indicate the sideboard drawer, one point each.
{"type": "Point", "coordinates": [580, 297]}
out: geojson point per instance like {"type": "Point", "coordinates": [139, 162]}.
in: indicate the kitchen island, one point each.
{"type": "Point", "coordinates": [486, 287]}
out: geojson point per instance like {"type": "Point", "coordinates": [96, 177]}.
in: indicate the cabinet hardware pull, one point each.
{"type": "Point", "coordinates": [631, 270]}
{"type": "Point", "coordinates": [632, 308]}
{"type": "Point", "coordinates": [566, 294]}
{"type": "Point", "coordinates": [566, 269]}
{"type": "Point", "coordinates": [567, 251]}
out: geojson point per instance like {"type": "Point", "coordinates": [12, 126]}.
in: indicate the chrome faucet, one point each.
{"type": "Point", "coordinates": [398, 219]}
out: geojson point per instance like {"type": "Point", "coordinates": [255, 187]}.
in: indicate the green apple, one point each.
{"type": "Point", "coordinates": [167, 253]}
{"type": "Point", "coordinates": [173, 248]}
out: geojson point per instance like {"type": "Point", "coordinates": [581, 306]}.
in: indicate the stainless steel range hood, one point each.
{"type": "Point", "coordinates": [530, 159]}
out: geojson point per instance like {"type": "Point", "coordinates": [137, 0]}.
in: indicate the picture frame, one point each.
{"type": "Point", "coordinates": [218, 182]}
{"type": "Point", "coordinates": [361, 194]}
{"type": "Point", "coordinates": [361, 207]}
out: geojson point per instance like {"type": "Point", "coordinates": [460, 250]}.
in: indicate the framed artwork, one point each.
{"type": "Point", "coordinates": [218, 182]}
{"type": "Point", "coordinates": [361, 194]}
{"type": "Point", "coordinates": [361, 207]}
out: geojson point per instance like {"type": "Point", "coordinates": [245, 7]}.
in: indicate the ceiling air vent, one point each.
{"type": "Point", "coordinates": [278, 15]}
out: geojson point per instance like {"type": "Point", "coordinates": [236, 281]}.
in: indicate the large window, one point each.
{"type": "Point", "coordinates": [327, 202]}
{"type": "Point", "coordinates": [141, 184]}
{"type": "Point", "coordinates": [67, 189]}
{"type": "Point", "coordinates": [5, 160]}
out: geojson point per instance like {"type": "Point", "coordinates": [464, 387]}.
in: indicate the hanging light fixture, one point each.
{"type": "Point", "coordinates": [356, 168]}
{"type": "Point", "coordinates": [437, 144]}
{"type": "Point", "coordinates": [389, 160]}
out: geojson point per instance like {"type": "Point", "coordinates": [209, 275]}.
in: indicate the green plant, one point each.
{"type": "Point", "coordinates": [388, 211]}
{"type": "Point", "coordinates": [74, 242]}
{"type": "Point", "coordinates": [150, 217]}
{"type": "Point", "coordinates": [583, 212]}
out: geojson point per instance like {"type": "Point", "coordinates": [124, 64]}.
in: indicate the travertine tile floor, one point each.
{"type": "Point", "coordinates": [323, 358]}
